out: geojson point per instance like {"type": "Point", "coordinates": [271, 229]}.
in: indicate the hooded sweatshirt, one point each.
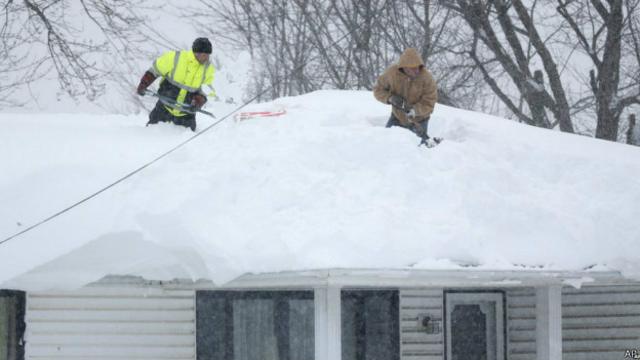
{"type": "Point", "coordinates": [420, 92]}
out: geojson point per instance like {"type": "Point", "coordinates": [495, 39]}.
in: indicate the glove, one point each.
{"type": "Point", "coordinates": [397, 101]}
{"type": "Point", "coordinates": [198, 101]}
{"type": "Point", "coordinates": [147, 79]}
{"type": "Point", "coordinates": [141, 89]}
{"type": "Point", "coordinates": [400, 103]}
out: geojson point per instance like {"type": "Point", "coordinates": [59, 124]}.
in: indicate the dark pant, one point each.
{"type": "Point", "coordinates": [160, 113]}
{"type": "Point", "coordinates": [393, 121]}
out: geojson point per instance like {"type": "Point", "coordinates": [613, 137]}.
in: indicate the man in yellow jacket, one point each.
{"type": "Point", "coordinates": [183, 74]}
{"type": "Point", "coordinates": [411, 90]}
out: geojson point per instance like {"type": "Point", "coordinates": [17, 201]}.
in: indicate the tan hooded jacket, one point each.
{"type": "Point", "coordinates": [420, 92]}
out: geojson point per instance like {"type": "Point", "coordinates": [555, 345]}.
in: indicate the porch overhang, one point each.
{"type": "Point", "coordinates": [366, 278]}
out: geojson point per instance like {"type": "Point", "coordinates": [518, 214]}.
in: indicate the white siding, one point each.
{"type": "Point", "coordinates": [416, 344]}
{"type": "Point", "coordinates": [521, 324]}
{"type": "Point", "coordinates": [600, 323]}
{"type": "Point", "coordinates": [111, 323]}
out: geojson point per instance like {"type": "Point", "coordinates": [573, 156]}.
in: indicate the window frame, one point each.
{"type": "Point", "coordinates": [279, 297]}
{"type": "Point", "coordinates": [361, 340]}
{"type": "Point", "coordinates": [17, 330]}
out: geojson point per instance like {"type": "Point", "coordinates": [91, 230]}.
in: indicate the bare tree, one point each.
{"type": "Point", "coordinates": [633, 132]}
{"type": "Point", "coordinates": [522, 56]}
{"type": "Point", "coordinates": [42, 37]}
{"type": "Point", "coordinates": [304, 45]}
{"type": "Point", "coordinates": [502, 32]}
{"type": "Point", "coordinates": [607, 32]}
{"type": "Point", "coordinates": [275, 33]}
{"type": "Point", "coordinates": [15, 65]}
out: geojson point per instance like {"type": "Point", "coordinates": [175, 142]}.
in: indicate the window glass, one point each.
{"type": "Point", "coordinates": [302, 329]}
{"type": "Point", "coordinates": [11, 325]}
{"type": "Point", "coordinates": [254, 334]}
{"type": "Point", "coordinates": [4, 328]}
{"type": "Point", "coordinates": [370, 325]}
{"type": "Point", "coordinates": [255, 325]}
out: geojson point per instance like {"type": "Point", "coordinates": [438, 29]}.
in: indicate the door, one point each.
{"type": "Point", "coordinates": [475, 325]}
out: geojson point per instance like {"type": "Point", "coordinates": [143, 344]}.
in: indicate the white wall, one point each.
{"type": "Point", "coordinates": [600, 323]}
{"type": "Point", "coordinates": [521, 323]}
{"type": "Point", "coordinates": [418, 345]}
{"type": "Point", "coordinates": [111, 323]}
{"type": "Point", "coordinates": [415, 343]}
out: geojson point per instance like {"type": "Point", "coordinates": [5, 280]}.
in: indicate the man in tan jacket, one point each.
{"type": "Point", "coordinates": [410, 88]}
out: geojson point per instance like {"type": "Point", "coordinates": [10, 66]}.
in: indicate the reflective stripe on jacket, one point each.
{"type": "Point", "coordinates": [183, 76]}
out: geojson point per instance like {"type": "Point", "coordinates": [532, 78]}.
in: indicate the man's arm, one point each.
{"type": "Point", "coordinates": [382, 89]}
{"type": "Point", "coordinates": [209, 75]}
{"type": "Point", "coordinates": [163, 65]}
{"type": "Point", "coordinates": [147, 79]}
{"type": "Point", "coordinates": [424, 106]}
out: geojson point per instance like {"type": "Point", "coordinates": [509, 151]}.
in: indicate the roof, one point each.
{"type": "Point", "coordinates": [324, 186]}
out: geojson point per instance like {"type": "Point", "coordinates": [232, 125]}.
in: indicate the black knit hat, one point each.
{"type": "Point", "coordinates": [201, 45]}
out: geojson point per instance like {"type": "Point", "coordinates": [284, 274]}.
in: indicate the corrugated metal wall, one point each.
{"type": "Point", "coordinates": [111, 323]}
{"type": "Point", "coordinates": [600, 323]}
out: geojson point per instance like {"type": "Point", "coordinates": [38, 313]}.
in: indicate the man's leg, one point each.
{"type": "Point", "coordinates": [159, 113]}
{"type": "Point", "coordinates": [393, 121]}
{"type": "Point", "coordinates": [188, 120]}
{"type": "Point", "coordinates": [422, 128]}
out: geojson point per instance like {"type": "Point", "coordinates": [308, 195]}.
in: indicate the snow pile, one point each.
{"type": "Point", "coordinates": [323, 186]}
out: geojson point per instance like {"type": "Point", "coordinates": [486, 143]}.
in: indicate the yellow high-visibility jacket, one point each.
{"type": "Point", "coordinates": [182, 76]}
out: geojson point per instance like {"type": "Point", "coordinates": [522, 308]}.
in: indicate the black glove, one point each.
{"type": "Point", "coordinates": [396, 100]}
{"type": "Point", "coordinates": [399, 102]}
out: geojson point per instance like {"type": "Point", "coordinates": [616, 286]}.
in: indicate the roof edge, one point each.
{"type": "Point", "coordinates": [427, 278]}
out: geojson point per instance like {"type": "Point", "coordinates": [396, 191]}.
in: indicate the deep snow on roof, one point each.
{"type": "Point", "coordinates": [325, 185]}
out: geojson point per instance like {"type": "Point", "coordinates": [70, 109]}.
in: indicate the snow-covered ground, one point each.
{"type": "Point", "coordinates": [326, 185]}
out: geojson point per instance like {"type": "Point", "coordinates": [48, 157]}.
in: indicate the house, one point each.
{"type": "Point", "coordinates": [358, 314]}
{"type": "Point", "coordinates": [321, 235]}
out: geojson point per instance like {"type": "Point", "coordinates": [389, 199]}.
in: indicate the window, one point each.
{"type": "Point", "coordinates": [475, 325]}
{"type": "Point", "coordinates": [11, 325]}
{"type": "Point", "coordinates": [370, 325]}
{"type": "Point", "coordinates": [255, 325]}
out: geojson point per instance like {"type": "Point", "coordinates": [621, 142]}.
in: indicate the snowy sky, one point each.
{"type": "Point", "coordinates": [323, 186]}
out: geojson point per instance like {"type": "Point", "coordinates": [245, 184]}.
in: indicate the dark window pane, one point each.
{"type": "Point", "coordinates": [370, 325]}
{"type": "Point", "coordinates": [301, 330]}
{"type": "Point", "coordinates": [211, 314]}
{"type": "Point", "coordinates": [11, 325]}
{"type": "Point", "coordinates": [468, 333]}
{"type": "Point", "coordinates": [254, 336]}
{"type": "Point", "coordinates": [255, 325]}
{"type": "Point", "coordinates": [351, 326]}
{"type": "Point", "coordinates": [4, 328]}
